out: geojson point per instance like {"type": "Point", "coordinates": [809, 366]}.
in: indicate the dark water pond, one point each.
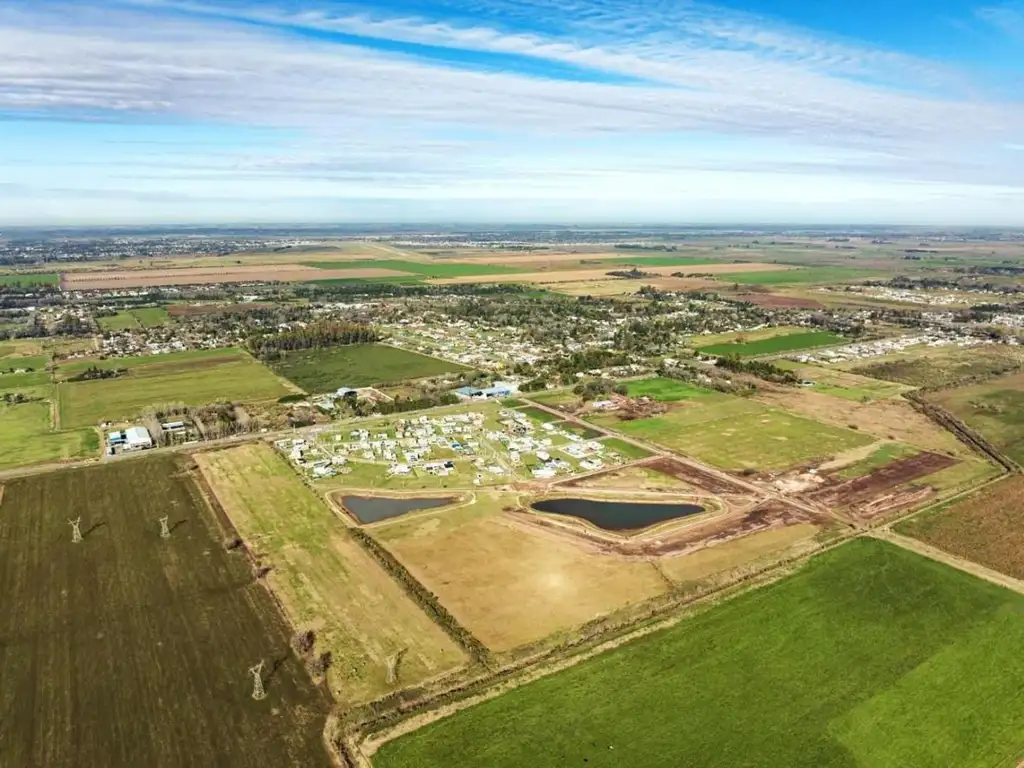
{"type": "Point", "coordinates": [371, 510]}
{"type": "Point", "coordinates": [617, 515]}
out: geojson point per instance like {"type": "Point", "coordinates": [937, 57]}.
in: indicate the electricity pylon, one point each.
{"type": "Point", "coordinates": [76, 530]}
{"type": "Point", "coordinates": [258, 692]}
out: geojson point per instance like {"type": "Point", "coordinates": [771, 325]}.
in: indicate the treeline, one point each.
{"type": "Point", "coordinates": [759, 368]}
{"type": "Point", "coordinates": [318, 335]}
{"type": "Point", "coordinates": [93, 373]}
{"type": "Point", "coordinates": [399, 404]}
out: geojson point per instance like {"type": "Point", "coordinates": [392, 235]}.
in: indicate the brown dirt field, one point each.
{"type": "Point", "coordinates": [508, 585]}
{"type": "Point", "coordinates": [893, 419]}
{"type": "Point", "coordinates": [984, 528]}
{"type": "Point", "coordinates": [868, 496]}
{"type": "Point", "coordinates": [286, 273]}
{"type": "Point", "coordinates": [694, 476]}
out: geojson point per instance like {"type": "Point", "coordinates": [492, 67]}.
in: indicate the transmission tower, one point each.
{"type": "Point", "coordinates": [76, 530]}
{"type": "Point", "coordinates": [258, 692]}
{"type": "Point", "coordinates": [392, 665]}
{"type": "Point", "coordinates": [165, 531]}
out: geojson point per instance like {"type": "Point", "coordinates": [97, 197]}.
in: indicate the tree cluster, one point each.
{"type": "Point", "coordinates": [318, 335]}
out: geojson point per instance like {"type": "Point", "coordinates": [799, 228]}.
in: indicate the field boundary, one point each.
{"type": "Point", "coordinates": [961, 431]}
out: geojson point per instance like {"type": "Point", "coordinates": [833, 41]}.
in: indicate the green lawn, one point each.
{"type": "Point", "coordinates": [802, 275]}
{"type": "Point", "coordinates": [626, 450]}
{"type": "Point", "coordinates": [359, 365]}
{"type": "Point", "coordinates": [423, 269]}
{"type": "Point", "coordinates": [869, 657]}
{"type": "Point", "coordinates": [193, 378]}
{"type": "Point", "coordinates": [26, 438]}
{"type": "Point", "coordinates": [735, 434]}
{"type": "Point", "coordinates": [667, 390]}
{"type": "Point", "coordinates": [775, 345]}
{"type": "Point", "coordinates": [26, 279]}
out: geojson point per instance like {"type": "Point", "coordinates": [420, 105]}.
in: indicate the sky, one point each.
{"type": "Point", "coordinates": [520, 111]}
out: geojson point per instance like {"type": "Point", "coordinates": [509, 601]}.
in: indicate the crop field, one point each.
{"type": "Point", "coordinates": [128, 649]}
{"type": "Point", "coordinates": [423, 269]}
{"type": "Point", "coordinates": [803, 275]}
{"type": "Point", "coordinates": [26, 279]}
{"type": "Point", "coordinates": [119, 279]}
{"type": "Point", "coordinates": [868, 656]}
{"type": "Point", "coordinates": [666, 390]}
{"type": "Point", "coordinates": [775, 345]}
{"type": "Point", "coordinates": [508, 585]}
{"type": "Point", "coordinates": [359, 365]}
{"type": "Point", "coordinates": [133, 319]}
{"type": "Point", "coordinates": [735, 434]}
{"type": "Point", "coordinates": [27, 437]}
{"type": "Point", "coordinates": [193, 378]}
{"type": "Point", "coordinates": [324, 579]}
{"type": "Point", "coordinates": [994, 409]}
{"type": "Point", "coordinates": [663, 261]}
{"type": "Point", "coordinates": [985, 527]}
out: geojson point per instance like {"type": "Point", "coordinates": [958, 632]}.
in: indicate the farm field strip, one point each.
{"type": "Point", "coordinates": [775, 344]}
{"type": "Point", "coordinates": [129, 649]}
{"type": "Point", "coordinates": [802, 275]}
{"type": "Point", "coordinates": [426, 269]}
{"type": "Point", "coordinates": [325, 580]}
{"type": "Point", "coordinates": [141, 278]}
{"type": "Point", "coordinates": [754, 689]}
{"type": "Point", "coordinates": [25, 279]}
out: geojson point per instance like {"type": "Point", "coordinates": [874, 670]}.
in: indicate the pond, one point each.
{"type": "Point", "coordinates": [617, 515]}
{"type": "Point", "coordinates": [368, 509]}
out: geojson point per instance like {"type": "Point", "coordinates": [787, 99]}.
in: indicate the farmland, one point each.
{"type": "Point", "coordinates": [735, 434]}
{"type": "Point", "coordinates": [26, 437]}
{"type": "Point", "coordinates": [775, 345]}
{"type": "Point", "coordinates": [805, 275]}
{"type": "Point", "coordinates": [421, 269]}
{"type": "Point", "coordinates": [995, 409]}
{"type": "Point", "coordinates": [120, 649]}
{"type": "Point", "coordinates": [950, 367]}
{"type": "Point", "coordinates": [768, 679]}
{"type": "Point", "coordinates": [359, 365]}
{"type": "Point", "coordinates": [514, 587]}
{"type": "Point", "coordinates": [984, 527]}
{"type": "Point", "coordinates": [28, 279]}
{"type": "Point", "coordinates": [324, 579]}
{"type": "Point", "coordinates": [193, 378]}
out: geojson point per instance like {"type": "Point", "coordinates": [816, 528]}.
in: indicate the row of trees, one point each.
{"type": "Point", "coordinates": [317, 335]}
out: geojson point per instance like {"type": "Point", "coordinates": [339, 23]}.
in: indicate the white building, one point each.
{"type": "Point", "coordinates": [137, 439]}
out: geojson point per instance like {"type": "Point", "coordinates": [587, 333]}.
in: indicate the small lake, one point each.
{"type": "Point", "coordinates": [617, 515]}
{"type": "Point", "coordinates": [374, 509]}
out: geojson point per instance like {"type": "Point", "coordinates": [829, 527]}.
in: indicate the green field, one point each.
{"type": "Point", "coordinates": [883, 455]}
{"type": "Point", "coordinates": [736, 434]}
{"type": "Point", "coordinates": [129, 650]}
{"type": "Point", "coordinates": [666, 390]}
{"type": "Point", "coordinates": [132, 319]}
{"type": "Point", "coordinates": [26, 437]}
{"type": "Point", "coordinates": [664, 261]}
{"type": "Point", "coordinates": [193, 378]}
{"type": "Point", "coordinates": [627, 450]}
{"type": "Point", "coordinates": [842, 384]}
{"type": "Point", "coordinates": [869, 657]}
{"type": "Point", "coordinates": [775, 345]}
{"type": "Point", "coordinates": [539, 414]}
{"type": "Point", "coordinates": [359, 365]}
{"type": "Point", "coordinates": [428, 270]}
{"type": "Point", "coordinates": [30, 278]}
{"type": "Point", "coordinates": [995, 409]}
{"type": "Point", "coordinates": [803, 275]}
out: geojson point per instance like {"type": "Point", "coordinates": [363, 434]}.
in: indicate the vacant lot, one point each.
{"type": "Point", "coordinates": [735, 434]}
{"type": "Point", "coordinates": [26, 279]}
{"type": "Point", "coordinates": [359, 365]}
{"type": "Point", "coordinates": [666, 390]}
{"type": "Point", "coordinates": [127, 649]}
{"type": "Point", "coordinates": [848, 386]}
{"type": "Point", "coordinates": [985, 527]}
{"type": "Point", "coordinates": [944, 367]}
{"type": "Point", "coordinates": [193, 378]}
{"type": "Point", "coordinates": [627, 450]}
{"type": "Point", "coordinates": [995, 409]}
{"type": "Point", "coordinates": [325, 580]}
{"type": "Point", "coordinates": [869, 656]}
{"type": "Point", "coordinates": [775, 344]}
{"type": "Point", "coordinates": [508, 585]}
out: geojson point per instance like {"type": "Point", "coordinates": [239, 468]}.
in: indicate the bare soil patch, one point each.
{"type": "Point", "coordinates": [696, 477]}
{"type": "Point", "coordinates": [286, 273]}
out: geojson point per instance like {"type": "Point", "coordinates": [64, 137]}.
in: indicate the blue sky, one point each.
{"type": "Point", "coordinates": [572, 111]}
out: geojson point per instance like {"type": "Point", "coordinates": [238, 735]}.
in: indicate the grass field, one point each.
{"type": "Point", "coordinates": [869, 656]}
{"type": "Point", "coordinates": [422, 269]}
{"type": "Point", "coordinates": [27, 279]}
{"type": "Point", "coordinates": [775, 345]}
{"type": "Point", "coordinates": [127, 649]}
{"type": "Point", "coordinates": [984, 527]}
{"type": "Point", "coordinates": [625, 449]}
{"type": "Point", "coordinates": [359, 365]}
{"type": "Point", "coordinates": [995, 409]}
{"type": "Point", "coordinates": [325, 580]}
{"type": "Point", "coordinates": [509, 586]}
{"type": "Point", "coordinates": [193, 378]}
{"type": "Point", "coordinates": [735, 434]}
{"type": "Point", "coordinates": [26, 437]}
{"type": "Point", "coordinates": [663, 261]}
{"type": "Point", "coordinates": [132, 319]}
{"type": "Point", "coordinates": [943, 367]}
{"type": "Point", "coordinates": [884, 454]}
{"type": "Point", "coordinates": [804, 275]}
{"type": "Point", "coordinates": [666, 390]}
{"type": "Point", "coordinates": [848, 386]}
{"type": "Point", "coordinates": [539, 414]}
